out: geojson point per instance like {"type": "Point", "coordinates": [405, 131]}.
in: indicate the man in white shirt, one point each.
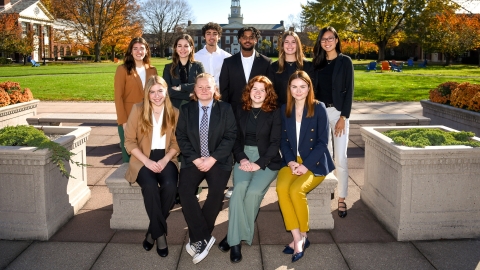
{"type": "Point", "coordinates": [211, 55]}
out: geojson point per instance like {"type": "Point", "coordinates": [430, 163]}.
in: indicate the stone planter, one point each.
{"type": "Point", "coordinates": [422, 193]}
{"type": "Point", "coordinates": [459, 119]}
{"type": "Point", "coordinates": [17, 114]}
{"type": "Point", "coordinates": [35, 198]}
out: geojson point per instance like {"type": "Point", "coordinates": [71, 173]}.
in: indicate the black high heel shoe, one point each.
{"type": "Point", "coordinates": [223, 245]}
{"type": "Point", "coordinates": [342, 214]}
{"type": "Point", "coordinates": [147, 245]}
{"type": "Point", "coordinates": [297, 256]}
{"type": "Point", "coordinates": [164, 251]}
{"type": "Point", "coordinates": [289, 250]}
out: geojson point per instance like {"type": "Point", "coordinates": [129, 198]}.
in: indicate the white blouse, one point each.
{"type": "Point", "coordinates": [299, 124]}
{"type": "Point", "coordinates": [142, 73]}
{"type": "Point", "coordinates": [158, 142]}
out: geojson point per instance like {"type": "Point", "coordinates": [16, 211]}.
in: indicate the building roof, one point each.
{"type": "Point", "coordinates": [26, 6]}
{"type": "Point", "coordinates": [17, 6]}
{"type": "Point", "coordinates": [468, 7]}
{"type": "Point", "coordinates": [236, 25]}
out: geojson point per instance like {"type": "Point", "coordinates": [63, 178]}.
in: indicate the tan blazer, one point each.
{"type": "Point", "coordinates": [128, 90]}
{"type": "Point", "coordinates": [134, 138]}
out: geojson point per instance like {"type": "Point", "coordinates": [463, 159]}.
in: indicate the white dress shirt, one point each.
{"type": "Point", "coordinates": [212, 62]}
{"type": "Point", "coordinates": [247, 63]}
{"type": "Point", "coordinates": [157, 141]}
{"type": "Point", "coordinates": [142, 73]}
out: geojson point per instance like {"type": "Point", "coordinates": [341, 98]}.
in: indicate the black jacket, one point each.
{"type": "Point", "coordinates": [177, 97]}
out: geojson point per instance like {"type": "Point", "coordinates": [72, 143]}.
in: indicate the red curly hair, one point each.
{"type": "Point", "coordinates": [270, 102]}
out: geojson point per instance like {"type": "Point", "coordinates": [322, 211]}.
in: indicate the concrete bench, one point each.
{"type": "Point", "coordinates": [129, 211]}
{"type": "Point", "coordinates": [55, 119]}
{"type": "Point", "coordinates": [380, 119]}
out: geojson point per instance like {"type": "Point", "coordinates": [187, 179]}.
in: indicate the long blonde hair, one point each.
{"type": "Point", "coordinates": [298, 54]}
{"type": "Point", "coordinates": [168, 111]}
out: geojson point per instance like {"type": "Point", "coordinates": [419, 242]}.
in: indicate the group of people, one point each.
{"type": "Point", "coordinates": [217, 112]}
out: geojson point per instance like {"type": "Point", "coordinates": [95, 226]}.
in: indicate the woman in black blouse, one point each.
{"type": "Point", "coordinates": [290, 59]}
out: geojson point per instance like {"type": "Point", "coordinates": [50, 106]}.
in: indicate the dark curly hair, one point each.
{"type": "Point", "coordinates": [270, 102]}
{"type": "Point", "coordinates": [212, 26]}
{"type": "Point", "coordinates": [255, 32]}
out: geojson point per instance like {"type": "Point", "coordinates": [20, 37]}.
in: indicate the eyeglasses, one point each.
{"type": "Point", "coordinates": [329, 39]}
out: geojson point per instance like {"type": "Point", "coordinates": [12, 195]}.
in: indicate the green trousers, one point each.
{"type": "Point", "coordinates": [249, 188]}
{"type": "Point", "coordinates": [121, 134]}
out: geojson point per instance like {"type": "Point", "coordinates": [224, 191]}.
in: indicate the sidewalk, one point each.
{"type": "Point", "coordinates": [358, 241]}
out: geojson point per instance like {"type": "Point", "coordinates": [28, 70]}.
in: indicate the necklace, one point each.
{"type": "Point", "coordinates": [290, 63]}
{"type": "Point", "coordinates": [328, 62]}
{"type": "Point", "coordinates": [255, 115]}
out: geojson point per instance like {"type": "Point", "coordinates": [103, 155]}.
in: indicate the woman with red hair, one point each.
{"type": "Point", "coordinates": [257, 161]}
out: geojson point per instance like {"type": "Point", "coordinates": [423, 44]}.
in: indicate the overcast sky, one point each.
{"type": "Point", "coordinates": [254, 11]}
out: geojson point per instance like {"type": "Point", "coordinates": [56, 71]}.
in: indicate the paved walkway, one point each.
{"type": "Point", "coordinates": [358, 242]}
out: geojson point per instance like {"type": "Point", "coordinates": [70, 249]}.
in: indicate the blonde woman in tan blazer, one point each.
{"type": "Point", "coordinates": [150, 139]}
{"type": "Point", "coordinates": [129, 82]}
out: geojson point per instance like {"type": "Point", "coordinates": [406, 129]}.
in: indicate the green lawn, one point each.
{"type": "Point", "coordinates": [94, 81]}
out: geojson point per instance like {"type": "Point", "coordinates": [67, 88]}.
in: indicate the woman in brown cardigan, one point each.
{"type": "Point", "coordinates": [150, 139]}
{"type": "Point", "coordinates": [129, 82]}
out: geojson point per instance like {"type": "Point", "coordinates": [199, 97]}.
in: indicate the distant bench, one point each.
{"type": "Point", "coordinates": [129, 210]}
{"type": "Point", "coordinates": [54, 119]}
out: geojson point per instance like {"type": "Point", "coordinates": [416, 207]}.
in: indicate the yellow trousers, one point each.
{"type": "Point", "coordinates": [292, 196]}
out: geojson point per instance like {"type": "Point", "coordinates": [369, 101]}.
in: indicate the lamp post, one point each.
{"type": "Point", "coordinates": [359, 39]}
{"type": "Point", "coordinates": [44, 46]}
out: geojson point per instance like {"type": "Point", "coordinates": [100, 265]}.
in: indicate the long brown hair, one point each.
{"type": "Point", "coordinates": [310, 100]}
{"type": "Point", "coordinates": [129, 61]}
{"type": "Point", "coordinates": [146, 119]}
{"type": "Point", "coordinates": [270, 102]}
{"type": "Point", "coordinates": [298, 54]}
{"type": "Point", "coordinates": [176, 57]}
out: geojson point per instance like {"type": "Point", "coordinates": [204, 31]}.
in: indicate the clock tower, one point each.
{"type": "Point", "coordinates": [236, 14]}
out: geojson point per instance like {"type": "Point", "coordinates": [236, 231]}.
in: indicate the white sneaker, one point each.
{"type": "Point", "coordinates": [202, 248]}
{"type": "Point", "coordinates": [229, 192]}
{"type": "Point", "coordinates": [189, 249]}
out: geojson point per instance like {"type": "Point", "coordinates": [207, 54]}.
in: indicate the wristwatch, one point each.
{"type": "Point", "coordinates": [344, 118]}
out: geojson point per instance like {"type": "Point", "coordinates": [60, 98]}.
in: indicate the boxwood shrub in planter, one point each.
{"type": "Point", "coordinates": [36, 198]}
{"type": "Point", "coordinates": [422, 193]}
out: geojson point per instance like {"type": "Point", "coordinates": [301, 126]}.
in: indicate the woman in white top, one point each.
{"type": "Point", "coordinates": [150, 139]}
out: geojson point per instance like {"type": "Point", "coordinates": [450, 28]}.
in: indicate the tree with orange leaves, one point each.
{"type": "Point", "coordinates": [96, 19]}
{"type": "Point", "coordinates": [10, 32]}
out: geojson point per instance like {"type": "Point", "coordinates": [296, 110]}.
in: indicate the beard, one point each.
{"type": "Point", "coordinates": [247, 49]}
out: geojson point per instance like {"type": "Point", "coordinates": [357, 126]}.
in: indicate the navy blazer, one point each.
{"type": "Point", "coordinates": [268, 134]}
{"type": "Point", "coordinates": [342, 83]}
{"type": "Point", "coordinates": [232, 76]}
{"type": "Point", "coordinates": [176, 97]}
{"type": "Point", "coordinates": [312, 142]}
{"type": "Point", "coordinates": [222, 131]}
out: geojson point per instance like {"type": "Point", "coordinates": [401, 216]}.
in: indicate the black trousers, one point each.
{"type": "Point", "coordinates": [159, 191]}
{"type": "Point", "coordinates": [201, 221]}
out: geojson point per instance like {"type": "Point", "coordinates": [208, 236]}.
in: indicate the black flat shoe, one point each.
{"type": "Point", "coordinates": [289, 250]}
{"type": "Point", "coordinates": [223, 245]}
{"type": "Point", "coordinates": [342, 214]}
{"type": "Point", "coordinates": [146, 245]}
{"type": "Point", "coordinates": [236, 253]}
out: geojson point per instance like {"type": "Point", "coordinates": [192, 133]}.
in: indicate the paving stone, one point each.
{"type": "Point", "coordinates": [317, 256]}
{"type": "Point", "coordinates": [397, 255]}
{"type": "Point", "coordinates": [104, 159]}
{"type": "Point", "coordinates": [360, 226]}
{"type": "Point", "coordinates": [270, 201]}
{"type": "Point", "coordinates": [451, 254]}
{"type": "Point", "coordinates": [357, 176]}
{"type": "Point", "coordinates": [130, 256]}
{"type": "Point", "coordinates": [101, 198]}
{"type": "Point", "coordinates": [95, 174]}
{"type": "Point", "coordinates": [57, 255]}
{"type": "Point", "coordinates": [9, 250]}
{"type": "Point", "coordinates": [86, 226]}
{"type": "Point", "coordinates": [109, 171]}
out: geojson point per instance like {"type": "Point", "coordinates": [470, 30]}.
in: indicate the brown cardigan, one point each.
{"type": "Point", "coordinates": [134, 138]}
{"type": "Point", "coordinates": [128, 90]}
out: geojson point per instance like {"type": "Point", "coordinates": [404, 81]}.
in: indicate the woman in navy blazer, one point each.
{"type": "Point", "coordinates": [181, 73]}
{"type": "Point", "coordinates": [257, 158]}
{"type": "Point", "coordinates": [305, 157]}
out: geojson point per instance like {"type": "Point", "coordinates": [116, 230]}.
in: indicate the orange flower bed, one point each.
{"type": "Point", "coordinates": [12, 93]}
{"type": "Point", "coordinates": [460, 95]}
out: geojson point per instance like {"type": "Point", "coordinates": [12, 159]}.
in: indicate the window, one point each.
{"type": "Point", "coordinates": [55, 51]}
{"type": "Point", "coordinates": [235, 40]}
{"type": "Point", "coordinates": [24, 28]}
{"type": "Point", "coordinates": [227, 31]}
{"type": "Point", "coordinates": [227, 40]}
{"type": "Point", "coordinates": [36, 29]}
{"type": "Point", "coordinates": [227, 49]}
{"type": "Point", "coordinates": [68, 51]}
{"type": "Point", "coordinates": [62, 51]}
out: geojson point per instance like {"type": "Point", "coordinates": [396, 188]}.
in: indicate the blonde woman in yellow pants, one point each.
{"type": "Point", "coordinates": [305, 158]}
